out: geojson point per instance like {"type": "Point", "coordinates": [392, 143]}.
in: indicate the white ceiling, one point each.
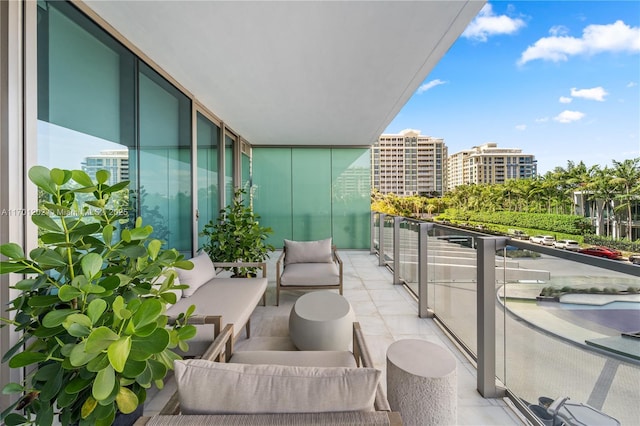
{"type": "Point", "coordinates": [295, 72]}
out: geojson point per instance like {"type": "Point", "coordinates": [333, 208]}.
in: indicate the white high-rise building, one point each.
{"type": "Point", "coordinates": [489, 164]}
{"type": "Point", "coordinates": [409, 164]}
{"type": "Point", "coordinates": [114, 161]}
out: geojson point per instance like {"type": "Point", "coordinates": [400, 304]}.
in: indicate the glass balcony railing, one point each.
{"type": "Point", "coordinates": [541, 323]}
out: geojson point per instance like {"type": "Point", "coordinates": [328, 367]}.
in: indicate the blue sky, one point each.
{"type": "Point", "coordinates": [559, 79]}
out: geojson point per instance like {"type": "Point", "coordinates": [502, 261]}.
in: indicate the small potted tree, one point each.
{"type": "Point", "coordinates": [237, 236]}
{"type": "Point", "coordinates": [94, 335]}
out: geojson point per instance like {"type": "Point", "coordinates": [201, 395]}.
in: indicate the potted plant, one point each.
{"type": "Point", "coordinates": [237, 236]}
{"type": "Point", "coordinates": [90, 311]}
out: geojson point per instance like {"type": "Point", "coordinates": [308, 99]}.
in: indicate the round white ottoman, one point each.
{"type": "Point", "coordinates": [321, 321]}
{"type": "Point", "coordinates": [422, 382]}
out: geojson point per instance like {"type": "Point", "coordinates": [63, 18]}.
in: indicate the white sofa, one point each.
{"type": "Point", "coordinates": [217, 300]}
{"type": "Point", "coordinates": [277, 388]}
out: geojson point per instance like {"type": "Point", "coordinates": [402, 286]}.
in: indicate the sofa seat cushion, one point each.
{"type": "Point", "coordinates": [233, 298]}
{"type": "Point", "coordinates": [296, 358]}
{"type": "Point", "coordinates": [310, 274]}
{"type": "Point", "coordinates": [206, 387]}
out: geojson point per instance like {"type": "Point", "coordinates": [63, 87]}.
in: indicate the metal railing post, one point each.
{"type": "Point", "coordinates": [423, 269]}
{"type": "Point", "coordinates": [486, 312]}
{"type": "Point", "coordinates": [396, 249]}
{"type": "Point", "coordinates": [381, 220]}
{"type": "Point", "coordinates": [372, 233]}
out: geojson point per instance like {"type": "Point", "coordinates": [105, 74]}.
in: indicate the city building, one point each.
{"type": "Point", "coordinates": [489, 164]}
{"type": "Point", "coordinates": [409, 164]}
{"type": "Point", "coordinates": [115, 162]}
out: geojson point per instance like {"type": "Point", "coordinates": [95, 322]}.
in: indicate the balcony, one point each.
{"type": "Point", "coordinates": [386, 313]}
{"type": "Point", "coordinates": [533, 349]}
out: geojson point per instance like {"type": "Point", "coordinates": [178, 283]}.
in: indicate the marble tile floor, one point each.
{"type": "Point", "coordinates": [386, 313]}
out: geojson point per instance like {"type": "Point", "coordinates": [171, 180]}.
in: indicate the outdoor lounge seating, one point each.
{"type": "Point", "coordinates": [277, 387]}
{"type": "Point", "coordinates": [218, 300]}
{"type": "Point", "coordinates": [308, 265]}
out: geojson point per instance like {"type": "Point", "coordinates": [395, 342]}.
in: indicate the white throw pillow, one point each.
{"type": "Point", "coordinates": [203, 271]}
{"type": "Point", "coordinates": [308, 251]}
{"type": "Point", "coordinates": [207, 387]}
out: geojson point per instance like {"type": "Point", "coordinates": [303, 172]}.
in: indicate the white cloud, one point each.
{"type": "Point", "coordinates": [595, 94]}
{"type": "Point", "coordinates": [632, 84]}
{"type": "Point", "coordinates": [568, 116]}
{"type": "Point", "coordinates": [521, 127]}
{"type": "Point", "coordinates": [616, 37]}
{"type": "Point", "coordinates": [430, 85]}
{"type": "Point", "coordinates": [565, 100]}
{"type": "Point", "coordinates": [487, 24]}
{"type": "Point", "coordinates": [559, 30]}
{"type": "Point", "coordinates": [542, 119]}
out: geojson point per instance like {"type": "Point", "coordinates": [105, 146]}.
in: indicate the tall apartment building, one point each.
{"type": "Point", "coordinates": [409, 164]}
{"type": "Point", "coordinates": [489, 164]}
{"type": "Point", "coordinates": [114, 161]}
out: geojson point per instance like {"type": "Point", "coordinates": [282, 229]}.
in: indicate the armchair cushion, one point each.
{"type": "Point", "coordinates": [244, 388]}
{"type": "Point", "coordinates": [203, 271]}
{"type": "Point", "coordinates": [310, 274]}
{"type": "Point", "coordinates": [308, 251]}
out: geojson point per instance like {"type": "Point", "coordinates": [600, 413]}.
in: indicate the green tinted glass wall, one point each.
{"type": "Point", "coordinates": [208, 191]}
{"type": "Point", "coordinates": [312, 193]}
{"type": "Point", "coordinates": [351, 197]}
{"type": "Point", "coordinates": [272, 191]}
{"type": "Point", "coordinates": [165, 160]}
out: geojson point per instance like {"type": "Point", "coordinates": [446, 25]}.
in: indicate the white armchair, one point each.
{"type": "Point", "coordinates": [308, 265]}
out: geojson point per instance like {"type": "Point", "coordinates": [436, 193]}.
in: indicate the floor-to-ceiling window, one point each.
{"type": "Point", "coordinates": [229, 160]}
{"type": "Point", "coordinates": [207, 173]}
{"type": "Point", "coordinates": [245, 169]}
{"type": "Point", "coordinates": [165, 160]}
{"type": "Point", "coordinates": [85, 94]}
{"type": "Point", "coordinates": [100, 107]}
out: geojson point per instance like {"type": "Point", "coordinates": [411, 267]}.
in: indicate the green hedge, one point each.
{"type": "Point", "coordinates": [624, 245]}
{"type": "Point", "coordinates": [568, 224]}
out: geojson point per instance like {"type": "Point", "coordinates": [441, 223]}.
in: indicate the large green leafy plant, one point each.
{"type": "Point", "coordinates": [237, 236]}
{"type": "Point", "coordinates": [91, 308]}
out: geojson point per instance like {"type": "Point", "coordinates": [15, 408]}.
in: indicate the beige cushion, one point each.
{"type": "Point", "coordinates": [203, 271]}
{"type": "Point", "coordinates": [310, 274]}
{"type": "Point", "coordinates": [233, 298]}
{"type": "Point", "coordinates": [296, 358]}
{"type": "Point", "coordinates": [206, 387]}
{"type": "Point", "coordinates": [308, 251]}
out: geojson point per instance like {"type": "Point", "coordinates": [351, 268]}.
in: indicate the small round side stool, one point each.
{"type": "Point", "coordinates": [422, 382]}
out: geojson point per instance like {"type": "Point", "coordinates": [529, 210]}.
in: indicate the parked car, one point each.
{"type": "Point", "coordinates": [546, 240]}
{"type": "Point", "coordinates": [602, 252]}
{"type": "Point", "coordinates": [518, 234]}
{"type": "Point", "coordinates": [571, 245]}
{"type": "Point", "coordinates": [635, 259]}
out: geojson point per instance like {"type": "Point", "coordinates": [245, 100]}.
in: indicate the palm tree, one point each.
{"type": "Point", "coordinates": [603, 193]}
{"type": "Point", "coordinates": [626, 177]}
